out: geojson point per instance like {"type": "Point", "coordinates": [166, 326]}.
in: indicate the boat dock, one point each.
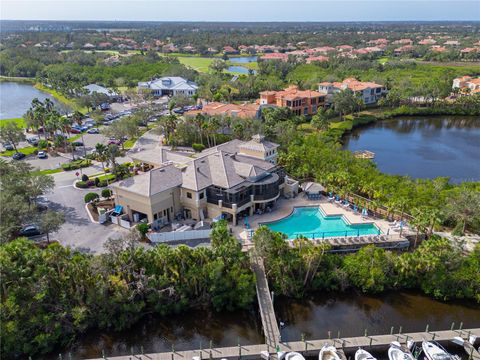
{"type": "Point", "coordinates": [307, 347]}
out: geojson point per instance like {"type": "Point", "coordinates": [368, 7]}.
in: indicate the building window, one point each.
{"type": "Point", "coordinates": [314, 101]}
{"type": "Point", "coordinates": [289, 103]}
{"type": "Point", "coordinates": [201, 195]}
{"type": "Point", "coordinates": [189, 195]}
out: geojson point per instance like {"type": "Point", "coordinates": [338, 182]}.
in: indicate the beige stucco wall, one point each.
{"type": "Point", "coordinates": [195, 204]}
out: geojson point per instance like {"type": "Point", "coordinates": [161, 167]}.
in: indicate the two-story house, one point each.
{"type": "Point", "coordinates": [369, 92]}
{"type": "Point", "coordinates": [301, 102]}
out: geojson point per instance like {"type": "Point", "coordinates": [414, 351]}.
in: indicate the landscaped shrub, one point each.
{"type": "Point", "coordinates": [90, 197]}
{"type": "Point", "coordinates": [81, 184]}
{"type": "Point", "coordinates": [42, 144]}
{"type": "Point", "coordinates": [85, 177]}
{"type": "Point", "coordinates": [102, 183]}
{"type": "Point", "coordinates": [97, 181]}
{"type": "Point", "coordinates": [106, 193]}
{"type": "Point", "coordinates": [77, 164]}
{"type": "Point", "coordinates": [198, 147]}
{"type": "Point", "coordinates": [143, 229]}
{"type": "Point", "coordinates": [90, 183]}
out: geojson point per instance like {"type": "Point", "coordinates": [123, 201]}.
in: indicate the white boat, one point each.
{"type": "Point", "coordinates": [395, 352]}
{"type": "Point", "coordinates": [328, 352]}
{"type": "Point", "coordinates": [294, 356]}
{"type": "Point", "coordinates": [434, 351]}
{"type": "Point", "coordinates": [361, 354]}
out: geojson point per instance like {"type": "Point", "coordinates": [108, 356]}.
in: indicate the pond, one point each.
{"type": "Point", "coordinates": [239, 69]}
{"type": "Point", "coordinates": [423, 147]}
{"type": "Point", "coordinates": [16, 98]}
{"type": "Point", "coordinates": [313, 316]}
{"type": "Point", "coordinates": [243, 59]}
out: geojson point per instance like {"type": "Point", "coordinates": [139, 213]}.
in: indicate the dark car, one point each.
{"type": "Point", "coordinates": [8, 146]}
{"type": "Point", "coordinates": [18, 156]}
{"type": "Point", "coordinates": [75, 131]}
{"type": "Point", "coordinates": [77, 143]}
{"type": "Point", "coordinates": [30, 230]}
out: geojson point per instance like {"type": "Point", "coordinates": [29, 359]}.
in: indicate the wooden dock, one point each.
{"type": "Point", "coordinates": [265, 304]}
{"type": "Point", "coordinates": [307, 348]}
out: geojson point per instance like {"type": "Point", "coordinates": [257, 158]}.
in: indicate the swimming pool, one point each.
{"type": "Point", "coordinates": [312, 223]}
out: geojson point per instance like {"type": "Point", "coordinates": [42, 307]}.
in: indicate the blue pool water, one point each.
{"type": "Point", "coordinates": [312, 223]}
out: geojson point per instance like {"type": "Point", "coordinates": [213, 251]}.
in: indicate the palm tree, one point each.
{"type": "Point", "coordinates": [102, 155]}
{"type": "Point", "coordinates": [77, 117]}
{"type": "Point", "coordinates": [112, 152]}
{"type": "Point", "coordinates": [420, 221]}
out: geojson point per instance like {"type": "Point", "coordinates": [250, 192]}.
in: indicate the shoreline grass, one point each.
{"type": "Point", "coordinates": [17, 79]}
{"type": "Point", "coordinates": [61, 98]}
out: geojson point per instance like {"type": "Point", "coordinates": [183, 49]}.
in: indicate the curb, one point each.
{"type": "Point", "coordinates": [90, 215]}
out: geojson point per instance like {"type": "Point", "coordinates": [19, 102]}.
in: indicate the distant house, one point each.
{"type": "Point", "coordinates": [94, 88]}
{"type": "Point", "coordinates": [230, 50]}
{"type": "Point", "coordinates": [467, 84]}
{"type": "Point", "coordinates": [88, 46]}
{"type": "Point", "coordinates": [369, 92]}
{"type": "Point", "coordinates": [300, 102]}
{"type": "Point", "coordinates": [319, 58]}
{"type": "Point", "coordinates": [275, 56]}
{"type": "Point", "coordinates": [427, 41]}
{"type": "Point", "coordinates": [452, 43]}
{"type": "Point", "coordinates": [403, 42]}
{"type": "Point", "coordinates": [404, 50]}
{"type": "Point", "coordinates": [170, 86]}
{"type": "Point", "coordinates": [343, 48]}
{"type": "Point", "coordinates": [244, 111]}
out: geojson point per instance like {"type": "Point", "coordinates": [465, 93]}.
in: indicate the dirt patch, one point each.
{"type": "Point", "coordinates": [106, 204]}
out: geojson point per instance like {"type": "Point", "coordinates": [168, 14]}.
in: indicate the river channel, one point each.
{"type": "Point", "coordinates": [423, 147]}
{"type": "Point", "coordinates": [312, 316]}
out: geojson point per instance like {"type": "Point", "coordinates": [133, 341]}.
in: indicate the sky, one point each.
{"type": "Point", "coordinates": [241, 10]}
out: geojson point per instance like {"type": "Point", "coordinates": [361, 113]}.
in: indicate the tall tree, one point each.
{"type": "Point", "coordinates": [12, 133]}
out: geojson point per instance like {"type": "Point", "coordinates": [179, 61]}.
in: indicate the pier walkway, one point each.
{"type": "Point", "coordinates": [265, 304]}
{"type": "Point", "coordinates": [307, 348]}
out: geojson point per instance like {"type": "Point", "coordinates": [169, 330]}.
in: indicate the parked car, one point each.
{"type": "Point", "coordinates": [105, 106]}
{"type": "Point", "coordinates": [33, 140]}
{"type": "Point", "coordinates": [93, 131]}
{"type": "Point", "coordinates": [42, 155]}
{"type": "Point", "coordinates": [77, 143]}
{"type": "Point", "coordinates": [75, 131]}
{"type": "Point", "coordinates": [8, 146]}
{"type": "Point", "coordinates": [41, 203]}
{"type": "Point", "coordinates": [30, 230]}
{"type": "Point", "coordinates": [114, 142]}
{"type": "Point", "coordinates": [18, 156]}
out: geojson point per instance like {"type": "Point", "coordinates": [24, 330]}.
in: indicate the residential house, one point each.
{"type": "Point", "coordinates": [427, 41]}
{"type": "Point", "coordinates": [301, 102]}
{"type": "Point", "coordinates": [404, 50]}
{"type": "Point", "coordinates": [452, 43]}
{"type": "Point", "coordinates": [231, 180]}
{"type": "Point", "coordinates": [369, 92]}
{"type": "Point", "coordinates": [275, 56]}
{"type": "Point", "coordinates": [244, 111]}
{"type": "Point", "coordinates": [403, 42]}
{"type": "Point", "coordinates": [170, 86]}
{"type": "Point", "coordinates": [344, 48]}
{"type": "Point", "coordinates": [230, 50]}
{"type": "Point", "coordinates": [467, 85]}
{"type": "Point", "coordinates": [319, 58]}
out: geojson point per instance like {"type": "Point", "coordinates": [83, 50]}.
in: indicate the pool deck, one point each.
{"type": "Point", "coordinates": [284, 208]}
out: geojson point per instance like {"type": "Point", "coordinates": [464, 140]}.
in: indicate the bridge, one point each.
{"type": "Point", "coordinates": [310, 347]}
{"type": "Point", "coordinates": [265, 304]}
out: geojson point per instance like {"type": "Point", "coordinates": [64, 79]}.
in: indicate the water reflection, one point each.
{"type": "Point", "coordinates": [351, 314]}
{"type": "Point", "coordinates": [423, 147]}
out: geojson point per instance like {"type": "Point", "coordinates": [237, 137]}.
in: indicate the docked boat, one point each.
{"type": "Point", "coordinates": [294, 356]}
{"type": "Point", "coordinates": [395, 352]}
{"type": "Point", "coordinates": [328, 352]}
{"type": "Point", "coordinates": [434, 351]}
{"type": "Point", "coordinates": [361, 354]}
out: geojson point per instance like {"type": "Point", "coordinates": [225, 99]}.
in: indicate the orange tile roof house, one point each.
{"type": "Point", "coordinates": [275, 56]}
{"type": "Point", "coordinates": [467, 82]}
{"type": "Point", "coordinates": [244, 111]}
{"type": "Point", "coordinates": [370, 92]}
{"type": "Point", "coordinates": [301, 102]}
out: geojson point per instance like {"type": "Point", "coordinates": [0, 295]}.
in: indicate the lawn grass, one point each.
{"type": "Point", "coordinates": [19, 121]}
{"type": "Point", "coordinates": [106, 177]}
{"type": "Point", "coordinates": [29, 150]}
{"type": "Point", "coordinates": [74, 137]}
{"type": "Point", "coordinates": [62, 98]}
{"type": "Point", "coordinates": [46, 171]}
{"type": "Point", "coordinates": [18, 79]}
{"type": "Point", "coordinates": [200, 64]}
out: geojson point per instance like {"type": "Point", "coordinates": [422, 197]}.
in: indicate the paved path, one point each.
{"type": "Point", "coordinates": [267, 312]}
{"type": "Point", "coordinates": [307, 348]}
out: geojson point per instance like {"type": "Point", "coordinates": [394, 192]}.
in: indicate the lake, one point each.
{"type": "Point", "coordinates": [314, 316]}
{"type": "Point", "coordinates": [423, 147]}
{"type": "Point", "coordinates": [16, 98]}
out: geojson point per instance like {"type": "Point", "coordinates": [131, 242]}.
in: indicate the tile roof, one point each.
{"type": "Point", "coordinates": [246, 110]}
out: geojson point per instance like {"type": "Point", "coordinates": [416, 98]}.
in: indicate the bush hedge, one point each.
{"type": "Point", "coordinates": [106, 193]}
{"type": "Point", "coordinates": [90, 197]}
{"type": "Point", "coordinates": [77, 164]}
{"type": "Point", "coordinates": [81, 184]}
{"type": "Point", "coordinates": [85, 177]}
{"type": "Point", "coordinates": [198, 147]}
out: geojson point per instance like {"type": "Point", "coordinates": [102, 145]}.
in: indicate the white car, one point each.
{"type": "Point", "coordinates": [93, 131]}
{"type": "Point", "coordinates": [42, 155]}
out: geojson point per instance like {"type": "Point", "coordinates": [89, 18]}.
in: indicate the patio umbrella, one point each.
{"type": "Point", "coordinates": [365, 212]}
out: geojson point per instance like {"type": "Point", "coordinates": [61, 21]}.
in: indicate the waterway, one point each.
{"type": "Point", "coordinates": [312, 316]}
{"type": "Point", "coordinates": [423, 147]}
{"type": "Point", "coordinates": [16, 98]}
